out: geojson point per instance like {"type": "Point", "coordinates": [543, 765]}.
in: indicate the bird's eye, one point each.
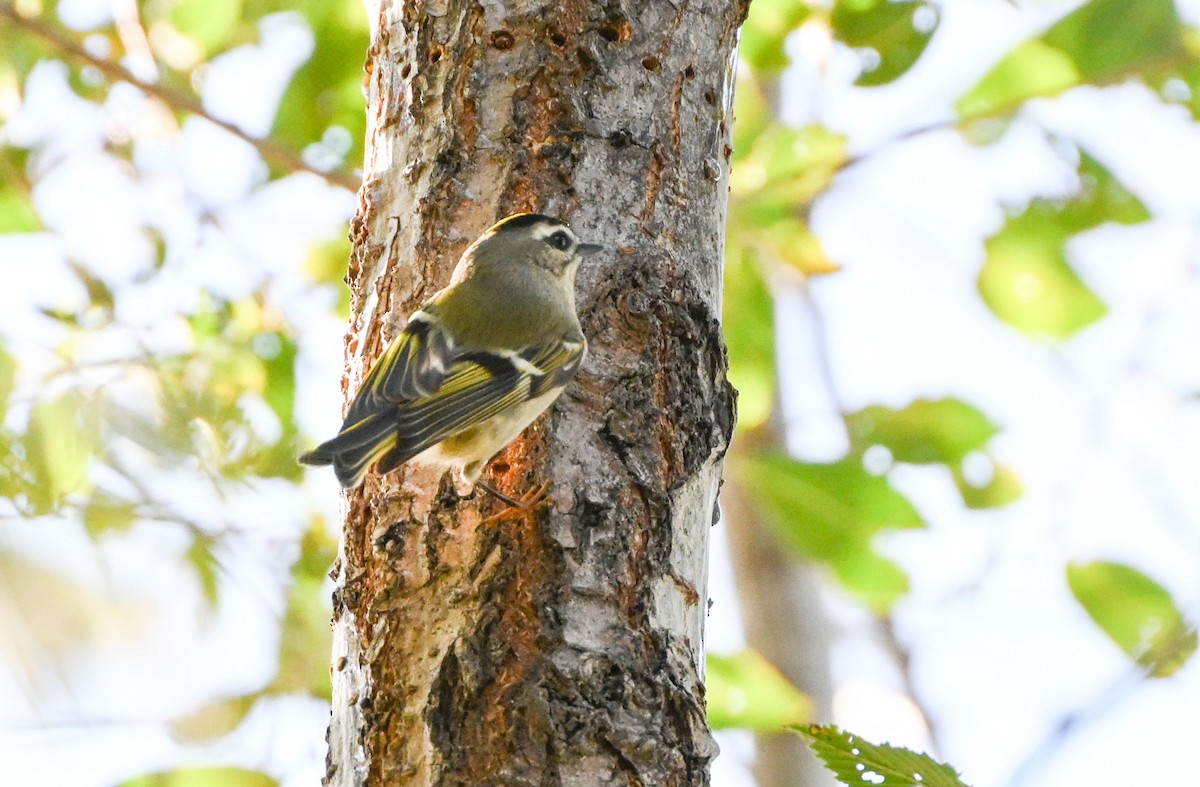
{"type": "Point", "coordinates": [559, 240]}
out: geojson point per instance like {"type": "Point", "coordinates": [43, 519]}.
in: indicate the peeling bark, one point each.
{"type": "Point", "coordinates": [563, 647]}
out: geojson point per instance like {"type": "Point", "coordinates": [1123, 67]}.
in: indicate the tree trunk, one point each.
{"type": "Point", "coordinates": [784, 621]}
{"type": "Point", "coordinates": [565, 646]}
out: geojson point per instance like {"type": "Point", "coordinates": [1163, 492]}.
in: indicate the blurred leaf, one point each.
{"type": "Point", "coordinates": [328, 262]}
{"type": "Point", "coordinates": [63, 436]}
{"type": "Point", "coordinates": [1101, 198]}
{"type": "Point", "coordinates": [746, 691]}
{"type": "Point", "coordinates": [1027, 280]}
{"type": "Point", "coordinates": [1136, 612]}
{"type": "Point", "coordinates": [829, 513]}
{"type": "Point", "coordinates": [1002, 488]}
{"type": "Point", "coordinates": [752, 113]}
{"type": "Point", "coordinates": [895, 32]}
{"type": "Point", "coordinates": [16, 210]}
{"type": "Point", "coordinates": [749, 321]}
{"type": "Point", "coordinates": [200, 555]}
{"type": "Point", "coordinates": [203, 777]}
{"type": "Point", "coordinates": [21, 52]}
{"type": "Point", "coordinates": [306, 639]}
{"type": "Point", "coordinates": [8, 379]}
{"type": "Point", "coordinates": [766, 28]}
{"type": "Point", "coordinates": [1102, 42]}
{"type": "Point", "coordinates": [772, 185]}
{"type": "Point", "coordinates": [278, 352]}
{"type": "Point", "coordinates": [103, 513]}
{"type": "Point", "coordinates": [99, 294]}
{"type": "Point", "coordinates": [793, 243]}
{"type": "Point", "coordinates": [213, 720]}
{"type": "Point", "coordinates": [926, 431]}
{"type": "Point", "coordinates": [784, 170]}
{"type": "Point", "coordinates": [855, 761]}
{"type": "Point", "coordinates": [208, 23]}
{"type": "Point", "coordinates": [328, 89]}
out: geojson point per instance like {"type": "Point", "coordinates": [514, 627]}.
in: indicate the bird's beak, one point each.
{"type": "Point", "coordinates": [588, 249]}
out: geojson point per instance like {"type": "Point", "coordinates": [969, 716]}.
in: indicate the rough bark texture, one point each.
{"type": "Point", "coordinates": [562, 647]}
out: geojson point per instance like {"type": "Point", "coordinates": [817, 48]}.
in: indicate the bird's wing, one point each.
{"type": "Point", "coordinates": [413, 366]}
{"type": "Point", "coordinates": [479, 385]}
{"type": "Point", "coordinates": [424, 389]}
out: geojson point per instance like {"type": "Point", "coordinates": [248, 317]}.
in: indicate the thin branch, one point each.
{"type": "Point", "coordinates": [176, 99]}
{"type": "Point", "coordinates": [1074, 722]}
{"type": "Point", "coordinates": [903, 658]}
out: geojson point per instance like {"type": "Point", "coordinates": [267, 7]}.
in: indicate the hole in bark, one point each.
{"type": "Point", "coordinates": [404, 72]}
{"type": "Point", "coordinates": [728, 151]}
{"type": "Point", "coordinates": [689, 73]}
{"type": "Point", "coordinates": [609, 33]}
{"type": "Point", "coordinates": [502, 39]}
{"type": "Point", "coordinates": [650, 63]}
{"type": "Point", "coordinates": [620, 138]}
{"type": "Point", "coordinates": [710, 96]}
{"type": "Point", "coordinates": [585, 60]}
{"type": "Point", "coordinates": [435, 54]}
{"type": "Point", "coordinates": [558, 38]}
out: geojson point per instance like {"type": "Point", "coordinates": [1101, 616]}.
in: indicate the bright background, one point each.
{"type": "Point", "coordinates": [172, 316]}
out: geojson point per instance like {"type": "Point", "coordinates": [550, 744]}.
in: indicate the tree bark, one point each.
{"type": "Point", "coordinates": [562, 647]}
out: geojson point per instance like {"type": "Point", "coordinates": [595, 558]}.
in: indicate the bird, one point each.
{"type": "Point", "coordinates": [475, 364]}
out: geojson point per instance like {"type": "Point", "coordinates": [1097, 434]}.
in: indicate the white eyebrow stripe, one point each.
{"type": "Point", "coordinates": [546, 229]}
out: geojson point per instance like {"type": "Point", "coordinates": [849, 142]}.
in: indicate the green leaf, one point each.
{"type": "Point", "coordinates": [278, 352]}
{"type": "Point", "coordinates": [328, 89]}
{"type": "Point", "coordinates": [8, 379]}
{"type": "Point", "coordinates": [855, 761]}
{"type": "Point", "coordinates": [213, 720]}
{"type": "Point", "coordinates": [746, 691]}
{"type": "Point", "coordinates": [749, 320]}
{"type": "Point", "coordinates": [829, 513]}
{"type": "Point", "coordinates": [1027, 280]}
{"type": "Point", "coordinates": [16, 211]}
{"type": "Point", "coordinates": [305, 638]}
{"type": "Point", "coordinates": [926, 431]}
{"type": "Point", "coordinates": [208, 23]}
{"type": "Point", "coordinates": [1002, 488]}
{"type": "Point", "coordinates": [103, 513]}
{"type": "Point", "coordinates": [1102, 42]}
{"type": "Point", "coordinates": [752, 112]}
{"type": "Point", "coordinates": [765, 30]}
{"type": "Point", "coordinates": [890, 30]}
{"type": "Point", "coordinates": [772, 184]}
{"type": "Point", "coordinates": [1136, 612]}
{"type": "Point", "coordinates": [63, 436]}
{"type": "Point", "coordinates": [1101, 199]}
{"type": "Point", "coordinates": [201, 556]}
{"type": "Point", "coordinates": [784, 170]}
{"type": "Point", "coordinates": [203, 777]}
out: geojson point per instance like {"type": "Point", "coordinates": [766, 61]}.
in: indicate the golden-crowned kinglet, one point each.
{"type": "Point", "coordinates": [476, 363]}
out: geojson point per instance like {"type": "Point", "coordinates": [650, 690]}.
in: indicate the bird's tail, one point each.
{"type": "Point", "coordinates": [355, 449]}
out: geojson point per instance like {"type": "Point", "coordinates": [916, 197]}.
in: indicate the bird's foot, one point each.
{"type": "Point", "coordinates": [523, 506]}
